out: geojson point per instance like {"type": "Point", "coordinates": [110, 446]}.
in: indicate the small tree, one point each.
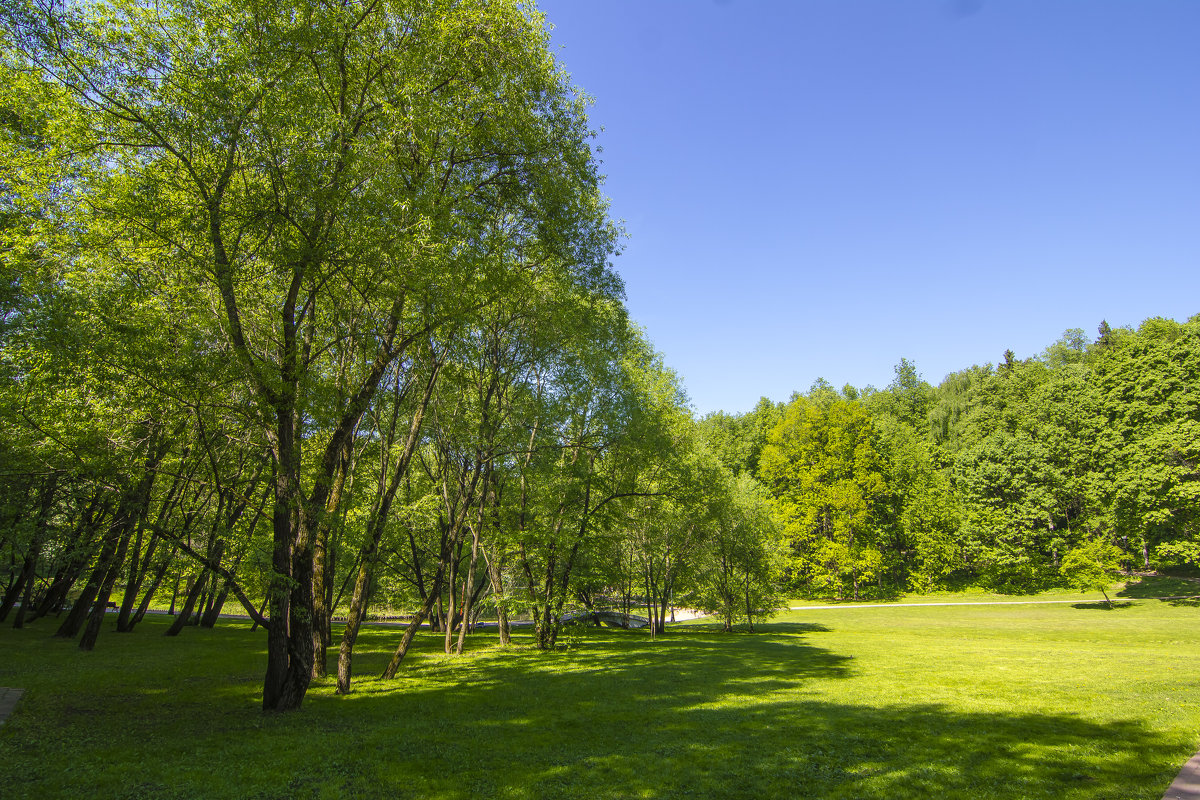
{"type": "Point", "coordinates": [1093, 566]}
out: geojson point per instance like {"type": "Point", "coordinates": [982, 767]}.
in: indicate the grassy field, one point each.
{"type": "Point", "coordinates": [1018, 701]}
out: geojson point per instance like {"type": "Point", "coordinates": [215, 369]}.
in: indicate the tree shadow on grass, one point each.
{"type": "Point", "coordinates": [759, 628]}
{"type": "Point", "coordinates": [1155, 586]}
{"type": "Point", "coordinates": [1100, 605]}
{"type": "Point", "coordinates": [694, 713]}
{"type": "Point", "coordinates": [709, 715]}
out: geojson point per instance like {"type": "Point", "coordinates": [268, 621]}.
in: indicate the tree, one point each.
{"type": "Point", "coordinates": [823, 466]}
{"type": "Point", "coordinates": [743, 554]}
{"type": "Point", "coordinates": [1093, 566]}
{"type": "Point", "coordinates": [320, 187]}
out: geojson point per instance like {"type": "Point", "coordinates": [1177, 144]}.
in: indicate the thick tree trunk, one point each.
{"type": "Point", "coordinates": [75, 617]}
{"type": "Point", "coordinates": [289, 663]}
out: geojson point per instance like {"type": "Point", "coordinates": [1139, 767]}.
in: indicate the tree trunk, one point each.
{"type": "Point", "coordinates": [261, 609]}
{"type": "Point", "coordinates": [375, 528]}
{"type": "Point", "coordinates": [29, 565]}
{"type": "Point", "coordinates": [174, 595]}
{"type": "Point", "coordinates": [323, 575]}
{"type": "Point", "coordinates": [389, 672]}
{"type": "Point", "coordinates": [214, 609]}
{"type": "Point", "coordinates": [79, 611]}
{"type": "Point", "coordinates": [79, 552]}
{"type": "Point", "coordinates": [96, 619]}
{"type": "Point", "coordinates": [454, 556]}
{"type": "Point", "coordinates": [130, 516]}
{"type": "Point", "coordinates": [497, 581]}
{"type": "Point", "coordinates": [159, 574]}
{"type": "Point", "coordinates": [137, 576]}
{"type": "Point", "coordinates": [468, 586]}
{"type": "Point", "coordinates": [184, 616]}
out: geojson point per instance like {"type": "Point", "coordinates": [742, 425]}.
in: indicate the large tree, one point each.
{"type": "Point", "coordinates": [320, 185]}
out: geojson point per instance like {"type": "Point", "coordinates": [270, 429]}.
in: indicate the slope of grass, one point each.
{"type": "Point", "coordinates": [1053, 701]}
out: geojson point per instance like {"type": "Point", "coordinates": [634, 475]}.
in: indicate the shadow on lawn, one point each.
{"type": "Point", "coordinates": [710, 715]}
{"type": "Point", "coordinates": [1100, 605]}
{"type": "Point", "coordinates": [1153, 586]}
{"type": "Point", "coordinates": [694, 713]}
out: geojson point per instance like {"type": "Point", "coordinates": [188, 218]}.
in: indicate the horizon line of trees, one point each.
{"type": "Point", "coordinates": [1031, 473]}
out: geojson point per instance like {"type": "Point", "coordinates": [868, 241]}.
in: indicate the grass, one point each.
{"type": "Point", "coordinates": [1019, 701]}
{"type": "Point", "coordinates": [1141, 587]}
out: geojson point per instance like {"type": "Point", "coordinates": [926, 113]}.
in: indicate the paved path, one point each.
{"type": "Point", "coordinates": [1187, 784]}
{"type": "Point", "coordinates": [8, 701]}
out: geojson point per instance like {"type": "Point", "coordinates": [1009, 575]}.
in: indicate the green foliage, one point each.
{"type": "Point", "coordinates": [824, 466]}
{"type": "Point", "coordinates": [1092, 566]}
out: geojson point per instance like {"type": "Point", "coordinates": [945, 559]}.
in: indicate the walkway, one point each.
{"type": "Point", "coordinates": [8, 701]}
{"type": "Point", "coordinates": [1187, 784]}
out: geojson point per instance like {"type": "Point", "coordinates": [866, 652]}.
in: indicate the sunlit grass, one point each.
{"type": "Point", "coordinates": [1019, 701]}
{"type": "Point", "coordinates": [1138, 587]}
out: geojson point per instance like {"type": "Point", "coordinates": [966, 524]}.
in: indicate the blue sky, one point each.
{"type": "Point", "coordinates": [817, 188]}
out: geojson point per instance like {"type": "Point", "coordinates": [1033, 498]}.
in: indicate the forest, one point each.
{"type": "Point", "coordinates": [1055, 470]}
{"type": "Point", "coordinates": [309, 312]}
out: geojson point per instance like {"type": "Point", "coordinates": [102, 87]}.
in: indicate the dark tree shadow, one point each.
{"type": "Point", "coordinates": [694, 713]}
{"type": "Point", "coordinates": [1103, 606]}
{"type": "Point", "coordinates": [1153, 586]}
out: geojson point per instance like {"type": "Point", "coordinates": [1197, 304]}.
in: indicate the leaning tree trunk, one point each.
{"type": "Point", "coordinates": [375, 528]}
{"type": "Point", "coordinates": [29, 565]}
{"type": "Point", "coordinates": [156, 581]}
{"type": "Point", "coordinates": [497, 580]}
{"type": "Point", "coordinates": [100, 607]}
{"type": "Point", "coordinates": [389, 671]}
{"type": "Point", "coordinates": [185, 615]}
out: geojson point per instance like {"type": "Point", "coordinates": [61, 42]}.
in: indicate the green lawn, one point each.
{"type": "Point", "coordinates": [1150, 586]}
{"type": "Point", "coordinates": [1018, 701]}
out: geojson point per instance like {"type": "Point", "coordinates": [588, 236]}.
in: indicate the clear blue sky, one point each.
{"type": "Point", "coordinates": [817, 188]}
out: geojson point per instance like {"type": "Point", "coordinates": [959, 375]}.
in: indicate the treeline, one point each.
{"type": "Point", "coordinates": [311, 308]}
{"type": "Point", "coordinates": [1013, 477]}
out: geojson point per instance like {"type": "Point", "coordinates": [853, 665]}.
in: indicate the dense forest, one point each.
{"type": "Point", "coordinates": [1033, 473]}
{"type": "Point", "coordinates": [314, 313]}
